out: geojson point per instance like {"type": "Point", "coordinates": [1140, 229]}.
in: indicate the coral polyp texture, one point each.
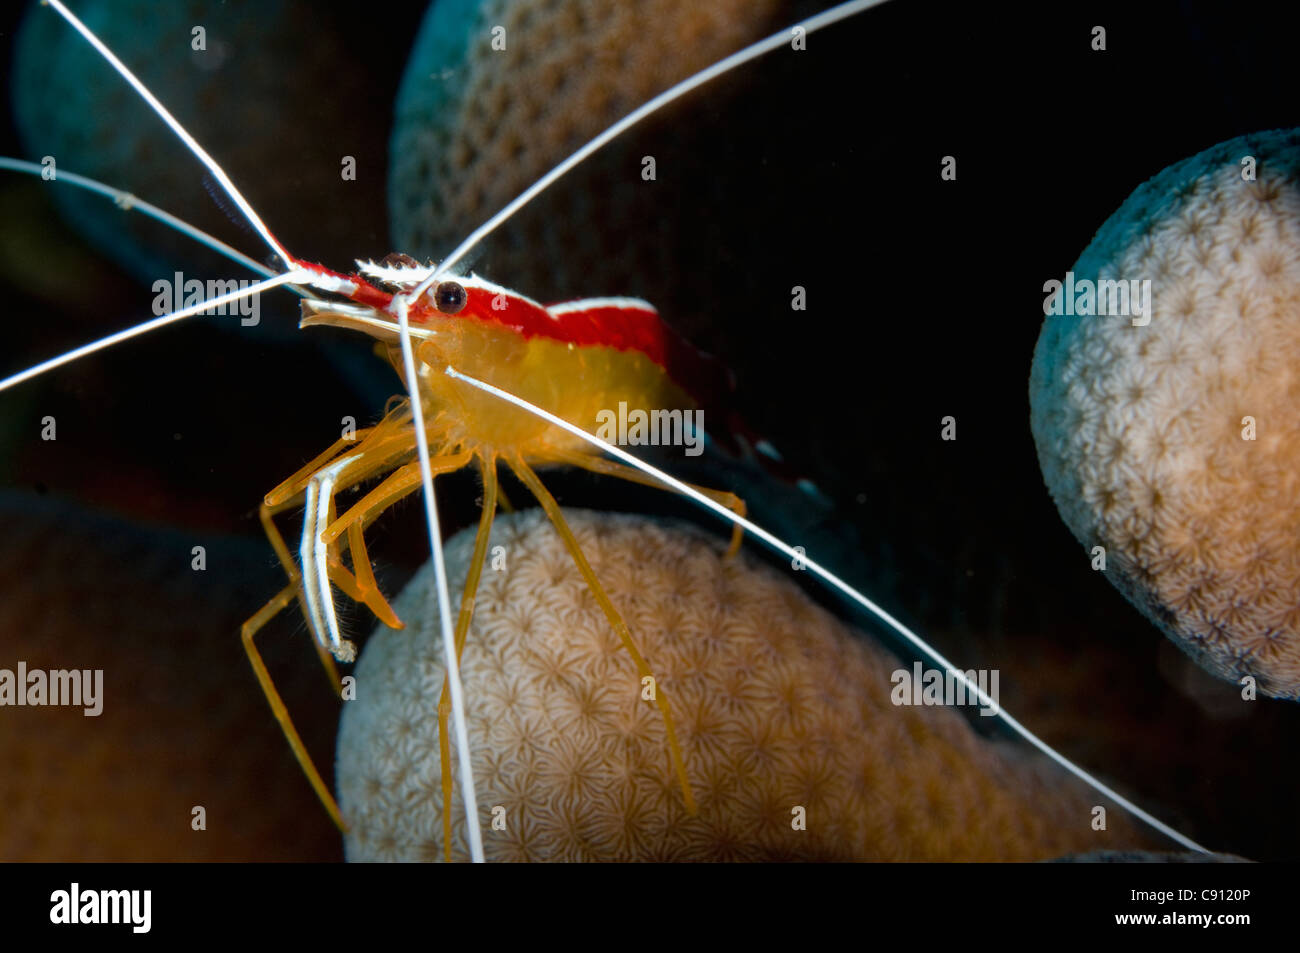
{"type": "Point", "coordinates": [778, 706]}
{"type": "Point", "coordinates": [1175, 444]}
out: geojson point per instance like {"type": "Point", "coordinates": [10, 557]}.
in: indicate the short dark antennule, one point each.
{"type": "Point", "coordinates": [449, 297]}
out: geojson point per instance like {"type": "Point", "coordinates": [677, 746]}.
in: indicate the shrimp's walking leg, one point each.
{"type": "Point", "coordinates": [526, 474]}
{"type": "Point", "coordinates": [362, 587]}
{"type": "Point", "coordinates": [381, 450]}
{"type": "Point", "coordinates": [398, 484]}
{"type": "Point", "coordinates": [265, 512]}
{"type": "Point", "coordinates": [365, 588]}
{"type": "Point", "coordinates": [285, 496]}
{"type": "Point", "coordinates": [488, 465]}
{"type": "Point", "coordinates": [605, 467]}
{"type": "Point", "coordinates": [247, 632]}
{"type": "Point", "coordinates": [309, 483]}
{"type": "Point", "coordinates": [294, 485]}
{"type": "Point", "coordinates": [266, 613]}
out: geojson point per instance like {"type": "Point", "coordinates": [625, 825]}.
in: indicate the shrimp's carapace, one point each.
{"type": "Point", "coordinates": [618, 323]}
{"type": "Point", "coordinates": [576, 358]}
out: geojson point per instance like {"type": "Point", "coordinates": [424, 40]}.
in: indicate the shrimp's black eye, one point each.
{"type": "Point", "coordinates": [449, 297]}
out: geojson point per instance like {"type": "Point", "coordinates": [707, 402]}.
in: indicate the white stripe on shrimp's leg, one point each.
{"type": "Point", "coordinates": [313, 553]}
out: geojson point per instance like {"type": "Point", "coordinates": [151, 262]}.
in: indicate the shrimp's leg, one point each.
{"type": "Point", "coordinates": [318, 488]}
{"type": "Point", "coordinates": [247, 632]}
{"type": "Point", "coordinates": [605, 467]}
{"type": "Point", "coordinates": [488, 465]}
{"type": "Point", "coordinates": [368, 587]}
{"type": "Point", "coordinates": [361, 587]}
{"type": "Point", "coordinates": [316, 555]}
{"type": "Point", "coordinates": [398, 484]}
{"type": "Point", "coordinates": [295, 484]}
{"type": "Point", "coordinates": [383, 449]}
{"type": "Point", "coordinates": [286, 496]}
{"type": "Point", "coordinates": [265, 513]}
{"type": "Point", "coordinates": [526, 474]}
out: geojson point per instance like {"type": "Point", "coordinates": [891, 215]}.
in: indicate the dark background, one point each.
{"type": "Point", "coordinates": [820, 170]}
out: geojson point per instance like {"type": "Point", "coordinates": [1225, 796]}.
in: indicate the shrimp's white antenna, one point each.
{"type": "Point", "coordinates": [739, 58]}
{"type": "Point", "coordinates": [129, 202]}
{"type": "Point", "coordinates": [296, 276]}
{"type": "Point", "coordinates": [836, 582]}
{"type": "Point", "coordinates": [440, 576]}
{"type": "Point", "coordinates": [190, 142]}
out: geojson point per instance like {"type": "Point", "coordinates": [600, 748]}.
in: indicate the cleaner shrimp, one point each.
{"type": "Point", "coordinates": [499, 420]}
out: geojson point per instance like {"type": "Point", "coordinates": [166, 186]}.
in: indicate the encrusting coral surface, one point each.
{"type": "Point", "coordinates": [778, 706]}
{"type": "Point", "coordinates": [1175, 444]}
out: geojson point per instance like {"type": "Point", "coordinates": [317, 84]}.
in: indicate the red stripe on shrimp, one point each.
{"type": "Point", "coordinates": [625, 324]}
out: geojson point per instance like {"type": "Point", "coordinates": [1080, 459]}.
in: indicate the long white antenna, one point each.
{"type": "Point", "coordinates": [190, 142]}
{"type": "Point", "coordinates": [444, 601]}
{"type": "Point", "coordinates": [835, 581]}
{"type": "Point", "coordinates": [133, 203]}
{"type": "Point", "coordinates": [739, 58]}
{"type": "Point", "coordinates": [296, 276]}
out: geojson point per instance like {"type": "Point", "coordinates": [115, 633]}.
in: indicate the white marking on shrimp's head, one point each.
{"type": "Point", "coordinates": [398, 270]}
{"type": "Point", "coordinates": [376, 284]}
{"type": "Point", "coordinates": [406, 274]}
